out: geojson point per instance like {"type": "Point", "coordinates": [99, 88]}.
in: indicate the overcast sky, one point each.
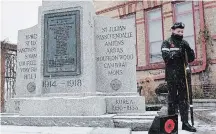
{"type": "Point", "coordinates": [16, 15]}
{"type": "Point", "coordinates": [20, 14]}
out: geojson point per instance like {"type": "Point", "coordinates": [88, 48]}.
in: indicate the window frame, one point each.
{"type": "Point", "coordinates": [147, 42]}
{"type": "Point", "coordinates": [124, 17]}
{"type": "Point", "coordinates": [193, 11]}
{"type": "Point", "coordinates": [161, 65]}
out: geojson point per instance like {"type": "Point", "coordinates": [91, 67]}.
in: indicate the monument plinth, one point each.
{"type": "Point", "coordinates": [67, 31]}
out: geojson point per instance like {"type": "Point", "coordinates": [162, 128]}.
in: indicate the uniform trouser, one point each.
{"type": "Point", "coordinates": [177, 97]}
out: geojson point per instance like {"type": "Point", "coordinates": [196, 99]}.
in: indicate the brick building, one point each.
{"type": "Point", "coordinates": [153, 22]}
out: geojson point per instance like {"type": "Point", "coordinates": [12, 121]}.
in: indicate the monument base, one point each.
{"type": "Point", "coordinates": [75, 105]}
{"type": "Point", "coordinates": [57, 106]}
{"type": "Point", "coordinates": [91, 111]}
{"type": "Point", "coordinates": [125, 104]}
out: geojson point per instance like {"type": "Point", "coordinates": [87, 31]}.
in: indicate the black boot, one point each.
{"type": "Point", "coordinates": [186, 126]}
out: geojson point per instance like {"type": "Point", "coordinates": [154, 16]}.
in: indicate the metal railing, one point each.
{"type": "Point", "coordinates": [8, 71]}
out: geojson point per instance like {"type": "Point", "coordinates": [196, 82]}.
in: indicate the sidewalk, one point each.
{"type": "Point", "coordinates": [208, 116]}
{"type": "Point", "coordinates": [202, 128]}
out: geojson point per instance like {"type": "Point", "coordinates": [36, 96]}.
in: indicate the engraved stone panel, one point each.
{"type": "Point", "coordinates": [28, 62]}
{"type": "Point", "coordinates": [125, 104]}
{"type": "Point", "coordinates": [115, 42]}
{"type": "Point", "coordinates": [62, 44]}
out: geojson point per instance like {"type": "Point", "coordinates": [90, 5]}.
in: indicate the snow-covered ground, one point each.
{"type": "Point", "coordinates": [179, 132]}
{"type": "Point", "coordinates": [202, 129]}
{"type": "Point", "coordinates": [213, 114]}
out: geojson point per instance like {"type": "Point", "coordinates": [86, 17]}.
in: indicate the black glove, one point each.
{"type": "Point", "coordinates": [182, 48]}
{"type": "Point", "coordinates": [176, 54]}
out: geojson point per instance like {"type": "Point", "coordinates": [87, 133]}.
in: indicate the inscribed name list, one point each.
{"type": "Point", "coordinates": [62, 44]}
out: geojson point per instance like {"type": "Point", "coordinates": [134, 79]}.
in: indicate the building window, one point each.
{"type": "Point", "coordinates": [154, 34]}
{"type": "Point", "coordinates": [131, 16]}
{"type": "Point", "coordinates": [128, 16]}
{"type": "Point", "coordinates": [184, 13]}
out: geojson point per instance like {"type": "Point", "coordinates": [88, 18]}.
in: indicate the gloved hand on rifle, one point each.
{"type": "Point", "coordinates": [185, 47]}
{"type": "Point", "coordinates": [176, 54]}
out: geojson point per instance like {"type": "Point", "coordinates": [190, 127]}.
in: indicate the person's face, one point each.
{"type": "Point", "coordinates": [178, 31]}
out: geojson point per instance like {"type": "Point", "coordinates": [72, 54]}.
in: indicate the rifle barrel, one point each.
{"type": "Point", "coordinates": [189, 87]}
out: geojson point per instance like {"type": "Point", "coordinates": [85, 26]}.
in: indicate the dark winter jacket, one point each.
{"type": "Point", "coordinates": [173, 53]}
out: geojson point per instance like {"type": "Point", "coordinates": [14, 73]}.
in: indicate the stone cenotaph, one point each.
{"type": "Point", "coordinates": [74, 63]}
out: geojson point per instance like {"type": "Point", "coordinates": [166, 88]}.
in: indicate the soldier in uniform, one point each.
{"type": "Point", "coordinates": [173, 53]}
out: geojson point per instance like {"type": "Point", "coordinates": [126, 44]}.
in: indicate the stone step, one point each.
{"type": "Point", "coordinates": [62, 130]}
{"type": "Point", "coordinates": [135, 121]}
{"type": "Point", "coordinates": [2, 114]}
{"type": "Point", "coordinates": [134, 124]}
{"type": "Point", "coordinates": [204, 103]}
{"type": "Point", "coordinates": [71, 121]}
{"type": "Point", "coordinates": [147, 113]}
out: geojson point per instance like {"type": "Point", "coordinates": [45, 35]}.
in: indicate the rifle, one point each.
{"type": "Point", "coordinates": [188, 86]}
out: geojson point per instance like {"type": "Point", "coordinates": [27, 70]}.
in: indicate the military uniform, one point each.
{"type": "Point", "coordinates": [173, 53]}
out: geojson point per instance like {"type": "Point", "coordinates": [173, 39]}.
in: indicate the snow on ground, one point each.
{"type": "Point", "coordinates": [202, 129]}
{"type": "Point", "coordinates": [214, 114]}
{"type": "Point", "coordinates": [179, 132]}
{"type": "Point", "coordinates": [44, 130]}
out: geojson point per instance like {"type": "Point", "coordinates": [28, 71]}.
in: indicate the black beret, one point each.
{"type": "Point", "coordinates": [178, 25]}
